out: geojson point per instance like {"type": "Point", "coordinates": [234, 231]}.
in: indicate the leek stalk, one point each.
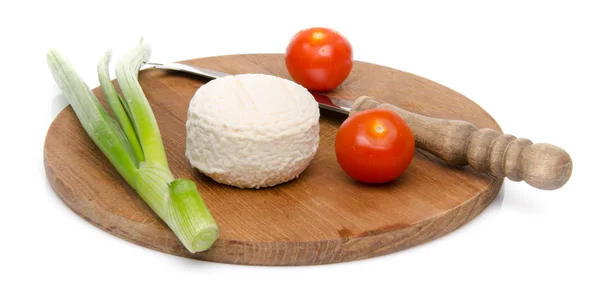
{"type": "Point", "coordinates": [133, 144]}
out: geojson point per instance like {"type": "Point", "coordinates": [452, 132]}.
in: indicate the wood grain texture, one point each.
{"type": "Point", "coordinates": [322, 217]}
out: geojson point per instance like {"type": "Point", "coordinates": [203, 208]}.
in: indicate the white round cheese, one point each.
{"type": "Point", "coordinates": [252, 130]}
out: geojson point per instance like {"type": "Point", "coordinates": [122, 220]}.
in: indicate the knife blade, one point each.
{"type": "Point", "coordinates": [334, 104]}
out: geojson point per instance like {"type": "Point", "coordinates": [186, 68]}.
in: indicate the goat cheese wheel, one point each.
{"type": "Point", "coordinates": [252, 130]}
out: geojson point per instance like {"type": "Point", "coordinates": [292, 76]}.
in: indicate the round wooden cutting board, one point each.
{"type": "Point", "coordinates": [322, 217]}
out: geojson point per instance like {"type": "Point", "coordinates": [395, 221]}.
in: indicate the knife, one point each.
{"type": "Point", "coordinates": [458, 143]}
{"type": "Point", "coordinates": [338, 105]}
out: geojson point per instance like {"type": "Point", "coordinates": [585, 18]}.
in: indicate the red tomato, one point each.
{"type": "Point", "coordinates": [319, 58]}
{"type": "Point", "coordinates": [374, 146]}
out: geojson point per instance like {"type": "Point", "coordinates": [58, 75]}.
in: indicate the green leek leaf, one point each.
{"type": "Point", "coordinates": [114, 101]}
{"type": "Point", "coordinates": [99, 125]}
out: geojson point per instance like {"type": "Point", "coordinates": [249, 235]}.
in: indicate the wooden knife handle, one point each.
{"type": "Point", "coordinates": [461, 143]}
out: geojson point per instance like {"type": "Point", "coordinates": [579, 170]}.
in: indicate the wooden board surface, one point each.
{"type": "Point", "coordinates": [321, 217]}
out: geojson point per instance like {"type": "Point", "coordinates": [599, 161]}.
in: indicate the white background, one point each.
{"type": "Point", "coordinates": [533, 65]}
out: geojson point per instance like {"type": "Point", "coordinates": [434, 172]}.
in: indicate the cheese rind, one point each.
{"type": "Point", "coordinates": [252, 130]}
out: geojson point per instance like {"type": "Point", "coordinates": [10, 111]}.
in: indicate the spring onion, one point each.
{"type": "Point", "coordinates": [133, 144]}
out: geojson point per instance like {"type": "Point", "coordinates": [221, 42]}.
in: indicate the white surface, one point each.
{"type": "Point", "coordinates": [534, 66]}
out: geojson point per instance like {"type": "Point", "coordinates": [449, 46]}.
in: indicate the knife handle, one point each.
{"type": "Point", "coordinates": [461, 143]}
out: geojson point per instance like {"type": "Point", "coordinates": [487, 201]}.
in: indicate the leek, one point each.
{"type": "Point", "coordinates": [133, 144]}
